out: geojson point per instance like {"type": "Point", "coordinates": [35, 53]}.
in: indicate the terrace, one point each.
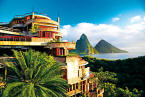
{"type": "Point", "coordinates": [68, 45]}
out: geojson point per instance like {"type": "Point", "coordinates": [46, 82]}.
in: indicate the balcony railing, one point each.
{"type": "Point", "coordinates": [48, 29]}
{"type": "Point", "coordinates": [46, 21]}
{"type": "Point", "coordinates": [73, 92]}
{"type": "Point", "coordinates": [42, 21]}
{"type": "Point", "coordinates": [68, 45]}
{"type": "Point", "coordinates": [15, 38]}
{"type": "Point", "coordinates": [22, 43]}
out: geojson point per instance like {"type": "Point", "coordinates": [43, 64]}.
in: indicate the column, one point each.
{"type": "Point", "coordinates": [85, 86]}
{"type": "Point", "coordinates": [57, 51]}
{"type": "Point", "coordinates": [72, 87]}
{"type": "Point", "coordinates": [82, 86]}
{"type": "Point", "coordinates": [75, 90]}
{"type": "Point", "coordinates": [63, 51]}
{"type": "Point", "coordinates": [79, 86]}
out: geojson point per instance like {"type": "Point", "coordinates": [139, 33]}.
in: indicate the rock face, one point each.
{"type": "Point", "coordinates": [83, 46]}
{"type": "Point", "coordinates": [104, 47]}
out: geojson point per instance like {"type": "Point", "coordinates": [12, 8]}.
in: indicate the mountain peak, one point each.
{"type": "Point", "coordinates": [105, 47]}
{"type": "Point", "coordinates": [83, 36]}
{"type": "Point", "coordinates": [83, 46]}
{"type": "Point", "coordinates": [103, 41]}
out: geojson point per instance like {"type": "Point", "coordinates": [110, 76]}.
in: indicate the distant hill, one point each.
{"type": "Point", "coordinates": [83, 46]}
{"type": "Point", "coordinates": [104, 47]}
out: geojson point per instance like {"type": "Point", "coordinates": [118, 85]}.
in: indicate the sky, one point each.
{"type": "Point", "coordinates": [120, 22]}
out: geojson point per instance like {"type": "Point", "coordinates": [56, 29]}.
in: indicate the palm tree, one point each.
{"type": "Point", "coordinates": [37, 75]}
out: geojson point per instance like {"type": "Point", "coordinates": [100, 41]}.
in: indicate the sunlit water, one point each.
{"type": "Point", "coordinates": [115, 56]}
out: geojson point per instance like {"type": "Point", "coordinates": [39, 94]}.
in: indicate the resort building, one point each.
{"type": "Point", "coordinates": [40, 32]}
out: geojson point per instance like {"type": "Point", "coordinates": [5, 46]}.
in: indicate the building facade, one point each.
{"type": "Point", "coordinates": [40, 32]}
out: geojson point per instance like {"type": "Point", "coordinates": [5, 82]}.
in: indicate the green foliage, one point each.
{"type": "Point", "coordinates": [37, 75]}
{"type": "Point", "coordinates": [104, 77]}
{"type": "Point", "coordinates": [83, 46]}
{"type": "Point", "coordinates": [105, 47]}
{"type": "Point", "coordinates": [130, 73]}
{"type": "Point", "coordinates": [112, 91]}
{"type": "Point", "coordinates": [34, 29]}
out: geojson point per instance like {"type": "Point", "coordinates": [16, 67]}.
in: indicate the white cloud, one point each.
{"type": "Point", "coordinates": [65, 29]}
{"type": "Point", "coordinates": [135, 19]}
{"type": "Point", "coordinates": [115, 19]}
{"type": "Point", "coordinates": [131, 37]}
{"type": "Point", "coordinates": [144, 18]}
{"type": "Point", "coordinates": [65, 40]}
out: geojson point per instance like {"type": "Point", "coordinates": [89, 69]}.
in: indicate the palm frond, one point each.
{"type": "Point", "coordinates": [10, 87]}
{"type": "Point", "coordinates": [39, 75]}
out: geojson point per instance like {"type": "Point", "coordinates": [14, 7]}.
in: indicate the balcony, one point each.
{"type": "Point", "coordinates": [42, 21]}
{"type": "Point", "coordinates": [8, 30]}
{"type": "Point", "coordinates": [68, 45]}
{"type": "Point", "coordinates": [22, 43]}
{"type": "Point", "coordinates": [36, 39]}
{"type": "Point", "coordinates": [73, 92]}
{"type": "Point", "coordinates": [18, 25]}
{"type": "Point", "coordinates": [84, 73]}
{"type": "Point", "coordinates": [46, 21]}
{"type": "Point", "coordinates": [48, 29]}
{"type": "Point", "coordinates": [59, 34]}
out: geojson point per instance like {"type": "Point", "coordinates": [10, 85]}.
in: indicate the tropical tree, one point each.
{"type": "Point", "coordinates": [37, 75]}
{"type": "Point", "coordinates": [107, 80]}
{"type": "Point", "coordinates": [104, 77]}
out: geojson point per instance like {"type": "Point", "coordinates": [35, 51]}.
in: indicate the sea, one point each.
{"type": "Point", "coordinates": [116, 56]}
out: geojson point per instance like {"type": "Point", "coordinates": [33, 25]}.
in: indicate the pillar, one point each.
{"type": "Point", "coordinates": [75, 90]}
{"type": "Point", "coordinates": [72, 87]}
{"type": "Point", "coordinates": [79, 86]}
{"type": "Point", "coordinates": [61, 51]}
{"type": "Point", "coordinates": [82, 86]}
{"type": "Point", "coordinates": [85, 86]}
{"type": "Point", "coordinates": [57, 50]}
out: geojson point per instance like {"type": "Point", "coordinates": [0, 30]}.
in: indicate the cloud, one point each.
{"type": "Point", "coordinates": [131, 37]}
{"type": "Point", "coordinates": [115, 19]}
{"type": "Point", "coordinates": [144, 18]}
{"type": "Point", "coordinates": [65, 40]}
{"type": "Point", "coordinates": [135, 19]}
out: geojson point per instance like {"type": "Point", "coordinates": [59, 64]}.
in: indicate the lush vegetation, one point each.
{"type": "Point", "coordinates": [119, 78]}
{"type": "Point", "coordinates": [34, 29]}
{"type": "Point", "coordinates": [34, 75]}
{"type": "Point", "coordinates": [83, 46]}
{"type": "Point", "coordinates": [104, 47]}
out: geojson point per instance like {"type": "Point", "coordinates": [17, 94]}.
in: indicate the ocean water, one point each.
{"type": "Point", "coordinates": [115, 56]}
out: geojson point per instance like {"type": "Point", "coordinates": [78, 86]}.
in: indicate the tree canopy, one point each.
{"type": "Point", "coordinates": [119, 78]}
{"type": "Point", "coordinates": [36, 75]}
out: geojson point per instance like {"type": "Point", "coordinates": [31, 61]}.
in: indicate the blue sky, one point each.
{"type": "Point", "coordinates": [73, 11]}
{"type": "Point", "coordinates": [120, 22]}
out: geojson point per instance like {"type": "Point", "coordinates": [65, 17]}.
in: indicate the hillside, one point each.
{"type": "Point", "coordinates": [83, 46]}
{"type": "Point", "coordinates": [104, 47]}
{"type": "Point", "coordinates": [130, 72]}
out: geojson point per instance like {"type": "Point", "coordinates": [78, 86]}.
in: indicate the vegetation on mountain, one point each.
{"type": "Point", "coordinates": [83, 46]}
{"type": "Point", "coordinates": [36, 75]}
{"type": "Point", "coordinates": [120, 78]}
{"type": "Point", "coordinates": [104, 47]}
